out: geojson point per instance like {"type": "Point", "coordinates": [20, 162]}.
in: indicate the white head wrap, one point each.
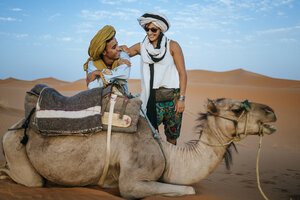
{"type": "Point", "coordinates": [159, 20]}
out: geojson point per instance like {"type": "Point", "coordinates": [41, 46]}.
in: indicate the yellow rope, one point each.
{"type": "Point", "coordinates": [237, 139]}
{"type": "Point", "coordinates": [257, 170]}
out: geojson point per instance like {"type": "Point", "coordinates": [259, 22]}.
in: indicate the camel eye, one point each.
{"type": "Point", "coordinates": [237, 111]}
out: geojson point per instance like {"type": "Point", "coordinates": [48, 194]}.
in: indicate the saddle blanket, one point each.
{"type": "Point", "coordinates": [82, 114]}
{"type": "Point", "coordinates": [60, 115]}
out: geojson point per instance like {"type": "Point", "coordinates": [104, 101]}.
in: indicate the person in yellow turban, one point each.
{"type": "Point", "coordinates": [107, 62]}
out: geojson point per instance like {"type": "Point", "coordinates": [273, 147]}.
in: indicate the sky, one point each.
{"type": "Point", "coordinates": [40, 38]}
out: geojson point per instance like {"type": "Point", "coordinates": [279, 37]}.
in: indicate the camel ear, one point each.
{"type": "Point", "coordinates": [211, 107]}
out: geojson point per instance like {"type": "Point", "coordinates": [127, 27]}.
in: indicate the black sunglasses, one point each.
{"type": "Point", "coordinates": [153, 30]}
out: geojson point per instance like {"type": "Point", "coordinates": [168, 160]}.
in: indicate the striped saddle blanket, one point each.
{"type": "Point", "coordinates": [61, 115]}
{"type": "Point", "coordinates": [82, 114]}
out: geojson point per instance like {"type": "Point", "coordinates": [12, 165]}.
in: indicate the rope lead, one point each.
{"type": "Point", "coordinates": [257, 165]}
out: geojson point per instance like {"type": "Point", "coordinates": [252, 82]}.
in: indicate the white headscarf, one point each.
{"type": "Point", "coordinates": [158, 19]}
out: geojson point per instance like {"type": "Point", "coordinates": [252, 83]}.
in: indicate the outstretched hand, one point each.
{"type": "Point", "coordinates": [125, 49]}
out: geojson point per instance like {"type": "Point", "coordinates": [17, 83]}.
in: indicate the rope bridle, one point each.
{"type": "Point", "coordinates": [246, 111]}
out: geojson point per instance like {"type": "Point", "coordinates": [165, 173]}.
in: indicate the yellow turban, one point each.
{"type": "Point", "coordinates": [98, 43]}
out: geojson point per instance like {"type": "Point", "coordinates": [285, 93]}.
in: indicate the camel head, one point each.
{"type": "Point", "coordinates": [236, 118]}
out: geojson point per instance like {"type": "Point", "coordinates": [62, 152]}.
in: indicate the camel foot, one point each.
{"type": "Point", "coordinates": [144, 189]}
{"type": "Point", "coordinates": [4, 173]}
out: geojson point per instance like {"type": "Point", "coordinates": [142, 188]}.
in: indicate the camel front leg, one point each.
{"type": "Point", "coordinates": [142, 189]}
{"type": "Point", "coordinates": [18, 166]}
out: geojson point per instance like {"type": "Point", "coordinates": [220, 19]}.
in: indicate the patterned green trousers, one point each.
{"type": "Point", "coordinates": [166, 114]}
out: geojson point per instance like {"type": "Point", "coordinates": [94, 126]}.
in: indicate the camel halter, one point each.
{"type": "Point", "coordinates": [246, 110]}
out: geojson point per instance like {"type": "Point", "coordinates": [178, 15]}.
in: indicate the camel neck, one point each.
{"type": "Point", "coordinates": [192, 163]}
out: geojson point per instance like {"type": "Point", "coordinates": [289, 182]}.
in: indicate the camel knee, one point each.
{"type": "Point", "coordinates": [18, 167]}
{"type": "Point", "coordinates": [23, 176]}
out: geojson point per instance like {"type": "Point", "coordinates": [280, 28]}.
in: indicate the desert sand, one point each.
{"type": "Point", "coordinates": [279, 158]}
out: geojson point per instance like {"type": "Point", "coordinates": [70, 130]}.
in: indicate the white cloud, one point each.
{"type": "Point", "coordinates": [54, 16]}
{"type": "Point", "coordinates": [274, 33]}
{"type": "Point", "coordinates": [65, 39]}
{"type": "Point", "coordinates": [85, 27]}
{"type": "Point", "coordinates": [130, 33]}
{"type": "Point", "coordinates": [75, 49]}
{"type": "Point", "coordinates": [288, 40]}
{"type": "Point", "coordinates": [131, 11]}
{"type": "Point", "coordinates": [37, 44]}
{"type": "Point", "coordinates": [225, 41]}
{"type": "Point", "coordinates": [46, 37]}
{"type": "Point", "coordinates": [279, 13]}
{"type": "Point", "coordinates": [21, 35]}
{"type": "Point", "coordinates": [94, 15]}
{"type": "Point", "coordinates": [16, 35]}
{"type": "Point", "coordinates": [226, 2]}
{"type": "Point", "coordinates": [124, 14]}
{"type": "Point", "coordinates": [265, 5]}
{"type": "Point", "coordinates": [129, 1]}
{"type": "Point", "coordinates": [4, 34]}
{"type": "Point", "coordinates": [278, 30]}
{"type": "Point", "coordinates": [111, 2]}
{"type": "Point", "coordinates": [9, 19]}
{"type": "Point", "coordinates": [16, 9]}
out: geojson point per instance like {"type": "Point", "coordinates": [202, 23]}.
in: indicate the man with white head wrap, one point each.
{"type": "Point", "coordinates": [162, 69]}
{"type": "Point", "coordinates": [157, 19]}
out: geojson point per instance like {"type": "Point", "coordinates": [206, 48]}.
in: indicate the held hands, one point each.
{"type": "Point", "coordinates": [179, 107]}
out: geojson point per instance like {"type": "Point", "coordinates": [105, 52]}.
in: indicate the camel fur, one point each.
{"type": "Point", "coordinates": [137, 165]}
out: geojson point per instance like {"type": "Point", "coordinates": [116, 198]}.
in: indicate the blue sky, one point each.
{"type": "Point", "coordinates": [41, 38]}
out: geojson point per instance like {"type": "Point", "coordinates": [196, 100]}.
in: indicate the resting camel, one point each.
{"type": "Point", "coordinates": [137, 165]}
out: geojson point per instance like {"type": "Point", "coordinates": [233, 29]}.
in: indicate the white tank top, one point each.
{"type": "Point", "coordinates": [165, 75]}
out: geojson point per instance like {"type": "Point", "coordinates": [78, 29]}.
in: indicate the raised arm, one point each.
{"type": "Point", "coordinates": [178, 58]}
{"type": "Point", "coordinates": [133, 50]}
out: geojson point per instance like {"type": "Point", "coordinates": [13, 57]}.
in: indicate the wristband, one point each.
{"type": "Point", "coordinates": [181, 98]}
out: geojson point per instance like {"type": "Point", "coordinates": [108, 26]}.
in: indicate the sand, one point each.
{"type": "Point", "coordinates": [279, 159]}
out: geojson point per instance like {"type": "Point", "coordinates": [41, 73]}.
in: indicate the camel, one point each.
{"type": "Point", "coordinates": [137, 165]}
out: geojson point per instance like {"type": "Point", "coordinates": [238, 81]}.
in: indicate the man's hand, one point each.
{"type": "Point", "coordinates": [92, 76]}
{"type": "Point", "coordinates": [124, 61]}
{"type": "Point", "coordinates": [179, 107]}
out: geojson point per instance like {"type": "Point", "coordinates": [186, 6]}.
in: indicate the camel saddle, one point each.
{"type": "Point", "coordinates": [81, 114]}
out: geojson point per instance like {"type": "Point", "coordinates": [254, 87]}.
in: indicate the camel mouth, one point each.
{"type": "Point", "coordinates": [268, 129]}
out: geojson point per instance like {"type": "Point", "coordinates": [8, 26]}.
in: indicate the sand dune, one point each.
{"type": "Point", "coordinates": [239, 77]}
{"type": "Point", "coordinates": [280, 158]}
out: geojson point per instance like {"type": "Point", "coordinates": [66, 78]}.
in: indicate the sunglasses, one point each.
{"type": "Point", "coordinates": [153, 30]}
